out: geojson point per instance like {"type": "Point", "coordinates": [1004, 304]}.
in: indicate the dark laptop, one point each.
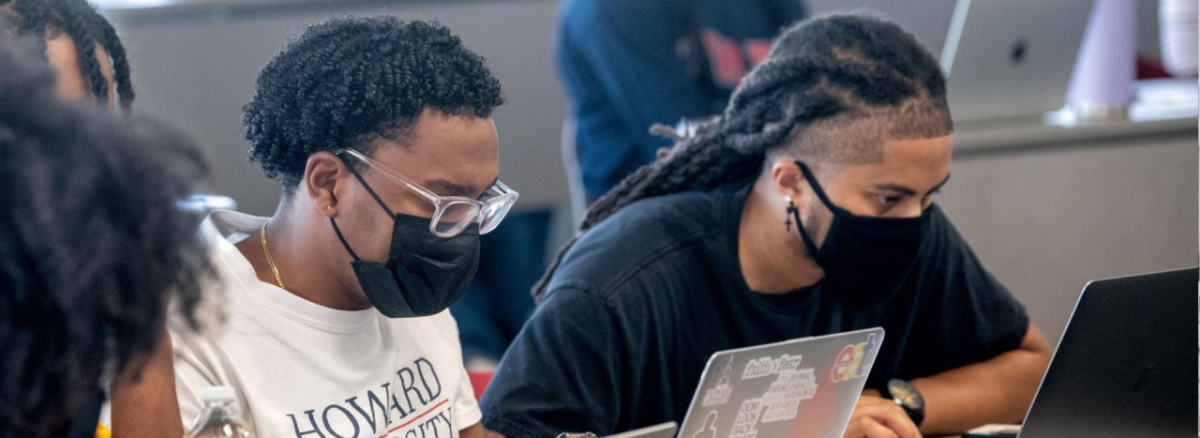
{"type": "Point", "coordinates": [1124, 365]}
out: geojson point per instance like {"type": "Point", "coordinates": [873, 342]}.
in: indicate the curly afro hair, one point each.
{"type": "Point", "coordinates": [79, 20]}
{"type": "Point", "coordinates": [348, 81]}
{"type": "Point", "coordinates": [92, 245]}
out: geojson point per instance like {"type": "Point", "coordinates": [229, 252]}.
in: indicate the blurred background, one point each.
{"type": "Point", "coordinates": [1047, 202]}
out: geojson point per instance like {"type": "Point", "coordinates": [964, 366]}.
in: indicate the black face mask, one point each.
{"type": "Point", "coordinates": [865, 259]}
{"type": "Point", "coordinates": [424, 274]}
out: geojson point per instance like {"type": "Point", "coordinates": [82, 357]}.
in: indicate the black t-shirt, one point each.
{"type": "Point", "coordinates": [643, 300]}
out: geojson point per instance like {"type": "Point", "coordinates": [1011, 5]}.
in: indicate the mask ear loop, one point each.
{"type": "Point", "coordinates": [794, 213]}
{"type": "Point", "coordinates": [816, 186]}
{"type": "Point", "coordinates": [360, 179]}
{"type": "Point", "coordinates": [809, 243]}
{"type": "Point", "coordinates": [343, 239]}
{"type": "Point", "coordinates": [379, 201]}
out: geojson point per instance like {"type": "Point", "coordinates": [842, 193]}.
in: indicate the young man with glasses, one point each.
{"type": "Point", "coordinates": [336, 324]}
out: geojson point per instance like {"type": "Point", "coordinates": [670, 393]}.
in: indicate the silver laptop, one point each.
{"type": "Point", "coordinates": [1012, 59]}
{"type": "Point", "coordinates": [664, 430]}
{"type": "Point", "coordinates": [795, 389]}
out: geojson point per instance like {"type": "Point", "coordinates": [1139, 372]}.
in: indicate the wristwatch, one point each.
{"type": "Point", "coordinates": [907, 396]}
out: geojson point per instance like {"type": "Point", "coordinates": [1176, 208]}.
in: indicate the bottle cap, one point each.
{"type": "Point", "coordinates": [217, 393]}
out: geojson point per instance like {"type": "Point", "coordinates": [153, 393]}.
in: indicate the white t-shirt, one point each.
{"type": "Point", "coordinates": [307, 371]}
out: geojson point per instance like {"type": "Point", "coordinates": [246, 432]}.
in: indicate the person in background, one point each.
{"type": "Point", "coordinates": [59, 28]}
{"type": "Point", "coordinates": [380, 133]}
{"type": "Point", "coordinates": [629, 64]}
{"type": "Point", "coordinates": [497, 303]}
{"type": "Point", "coordinates": [806, 209]}
{"type": "Point", "coordinates": [92, 247]}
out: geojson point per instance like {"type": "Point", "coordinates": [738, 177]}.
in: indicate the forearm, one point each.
{"type": "Point", "coordinates": [473, 431]}
{"type": "Point", "coordinates": [995, 391]}
{"type": "Point", "coordinates": [146, 406]}
{"type": "Point", "coordinates": [493, 434]}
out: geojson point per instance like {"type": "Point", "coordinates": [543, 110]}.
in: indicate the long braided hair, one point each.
{"type": "Point", "coordinates": [92, 245]}
{"type": "Point", "coordinates": [41, 19]}
{"type": "Point", "coordinates": [826, 70]}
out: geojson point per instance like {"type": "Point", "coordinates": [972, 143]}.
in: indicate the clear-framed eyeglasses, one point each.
{"type": "Point", "coordinates": [451, 214]}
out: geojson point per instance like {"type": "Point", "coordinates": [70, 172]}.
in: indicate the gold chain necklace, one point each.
{"type": "Point", "coordinates": [270, 261]}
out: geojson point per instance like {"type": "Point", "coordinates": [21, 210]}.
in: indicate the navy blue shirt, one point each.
{"type": "Point", "coordinates": [628, 64]}
{"type": "Point", "coordinates": [642, 301]}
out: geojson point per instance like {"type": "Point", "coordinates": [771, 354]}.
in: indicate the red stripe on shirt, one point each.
{"type": "Point", "coordinates": [434, 408]}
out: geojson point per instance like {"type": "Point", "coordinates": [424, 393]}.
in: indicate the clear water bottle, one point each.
{"type": "Point", "coordinates": [218, 420]}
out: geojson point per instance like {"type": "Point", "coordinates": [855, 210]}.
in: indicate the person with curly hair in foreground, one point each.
{"type": "Point", "coordinates": [380, 133]}
{"type": "Point", "coordinates": [101, 77]}
{"type": "Point", "coordinates": [92, 248]}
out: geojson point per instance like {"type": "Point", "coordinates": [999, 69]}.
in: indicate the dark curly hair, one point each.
{"type": "Point", "coordinates": [79, 20]}
{"type": "Point", "coordinates": [830, 91]}
{"type": "Point", "coordinates": [348, 81]}
{"type": "Point", "coordinates": [92, 245]}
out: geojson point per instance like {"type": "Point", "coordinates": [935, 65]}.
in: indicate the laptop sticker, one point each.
{"type": "Point", "coordinates": [720, 394]}
{"type": "Point", "coordinates": [855, 360]}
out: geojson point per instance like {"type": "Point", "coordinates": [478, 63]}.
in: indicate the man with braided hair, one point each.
{"type": "Point", "coordinates": [805, 209]}
{"type": "Point", "coordinates": [61, 28]}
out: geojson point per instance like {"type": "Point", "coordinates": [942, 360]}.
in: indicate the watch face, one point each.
{"type": "Point", "coordinates": [906, 394]}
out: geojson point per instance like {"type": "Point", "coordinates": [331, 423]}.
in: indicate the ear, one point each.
{"type": "Point", "coordinates": [324, 175]}
{"type": "Point", "coordinates": [787, 179]}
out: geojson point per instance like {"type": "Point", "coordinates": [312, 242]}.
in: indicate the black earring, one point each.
{"type": "Point", "coordinates": [791, 210]}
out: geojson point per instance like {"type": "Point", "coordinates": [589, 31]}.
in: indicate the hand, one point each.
{"type": "Point", "coordinates": [877, 417]}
